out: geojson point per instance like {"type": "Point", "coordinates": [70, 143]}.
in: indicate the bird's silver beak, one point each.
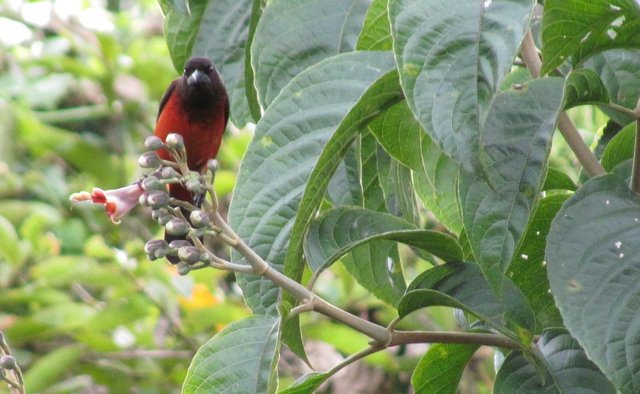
{"type": "Point", "coordinates": [198, 77]}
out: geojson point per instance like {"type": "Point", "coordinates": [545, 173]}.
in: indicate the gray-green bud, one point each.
{"type": "Point", "coordinates": [152, 183]}
{"type": "Point", "coordinates": [183, 268]}
{"type": "Point", "coordinates": [153, 143]}
{"type": "Point", "coordinates": [175, 141]}
{"type": "Point", "coordinates": [8, 362]}
{"type": "Point", "coordinates": [156, 248]}
{"type": "Point", "coordinates": [177, 226]}
{"type": "Point", "coordinates": [157, 199]}
{"type": "Point", "coordinates": [149, 160]}
{"type": "Point", "coordinates": [212, 165]}
{"type": "Point", "coordinates": [189, 254]}
{"type": "Point", "coordinates": [169, 172]}
{"type": "Point", "coordinates": [199, 219]}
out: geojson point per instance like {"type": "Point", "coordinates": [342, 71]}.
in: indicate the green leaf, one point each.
{"type": "Point", "coordinates": [376, 31]}
{"type": "Point", "coordinates": [371, 189]}
{"type": "Point", "coordinates": [569, 370]}
{"type": "Point", "coordinates": [582, 28]}
{"type": "Point", "coordinates": [528, 269]}
{"type": "Point", "coordinates": [620, 148]}
{"type": "Point", "coordinates": [451, 61]}
{"type": "Point", "coordinates": [399, 133]}
{"type": "Point", "coordinates": [180, 29]}
{"type": "Point", "coordinates": [436, 183]}
{"type": "Point", "coordinates": [306, 384]}
{"type": "Point", "coordinates": [496, 206]}
{"type": "Point", "coordinates": [558, 180]}
{"type": "Point", "coordinates": [295, 34]}
{"type": "Point", "coordinates": [239, 359]}
{"type": "Point", "coordinates": [339, 230]}
{"type": "Point", "coordinates": [584, 86]}
{"type": "Point", "coordinates": [221, 36]}
{"type": "Point", "coordinates": [344, 187]}
{"type": "Point", "coordinates": [592, 254]}
{"type": "Point", "coordinates": [48, 369]}
{"type": "Point", "coordinates": [440, 369]}
{"type": "Point", "coordinates": [289, 140]}
{"type": "Point", "coordinates": [9, 243]}
{"type": "Point", "coordinates": [463, 286]}
{"type": "Point", "coordinates": [619, 70]}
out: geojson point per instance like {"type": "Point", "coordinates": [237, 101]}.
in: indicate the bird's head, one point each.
{"type": "Point", "coordinates": [201, 80]}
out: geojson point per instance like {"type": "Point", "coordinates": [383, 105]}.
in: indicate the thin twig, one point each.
{"type": "Point", "coordinates": [586, 158]}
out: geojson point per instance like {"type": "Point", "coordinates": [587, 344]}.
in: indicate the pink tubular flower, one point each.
{"type": "Point", "coordinates": [116, 202]}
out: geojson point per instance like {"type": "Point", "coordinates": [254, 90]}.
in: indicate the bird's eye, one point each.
{"type": "Point", "coordinates": [210, 69]}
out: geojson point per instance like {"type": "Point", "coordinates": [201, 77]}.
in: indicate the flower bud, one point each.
{"type": "Point", "coordinates": [177, 226]}
{"type": "Point", "coordinates": [199, 219]}
{"type": "Point", "coordinates": [153, 143]}
{"type": "Point", "coordinates": [189, 254]}
{"type": "Point", "coordinates": [183, 268]}
{"type": "Point", "coordinates": [152, 183]}
{"type": "Point", "coordinates": [157, 199]}
{"type": "Point", "coordinates": [179, 243]}
{"type": "Point", "coordinates": [156, 248]}
{"type": "Point", "coordinates": [175, 141]}
{"type": "Point", "coordinates": [194, 186]}
{"type": "Point", "coordinates": [158, 213]}
{"type": "Point", "coordinates": [169, 172]}
{"type": "Point", "coordinates": [212, 165]}
{"type": "Point", "coordinates": [149, 160]}
{"type": "Point", "coordinates": [8, 362]}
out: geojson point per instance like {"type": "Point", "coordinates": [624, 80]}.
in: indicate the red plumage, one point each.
{"type": "Point", "coordinates": [196, 106]}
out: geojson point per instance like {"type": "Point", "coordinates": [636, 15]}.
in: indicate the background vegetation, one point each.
{"type": "Point", "coordinates": [84, 310]}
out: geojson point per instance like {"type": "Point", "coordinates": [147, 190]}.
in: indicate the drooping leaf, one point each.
{"type": "Point", "coordinates": [250, 89]}
{"type": "Point", "coordinates": [376, 30]}
{"type": "Point", "coordinates": [528, 269]}
{"type": "Point", "coordinates": [558, 180]}
{"type": "Point", "coordinates": [181, 25]}
{"type": "Point", "coordinates": [619, 70]}
{"type": "Point", "coordinates": [285, 149]}
{"type": "Point", "coordinates": [440, 369]}
{"type": "Point", "coordinates": [583, 86]}
{"type": "Point", "coordinates": [592, 259]}
{"type": "Point", "coordinates": [463, 286]}
{"type": "Point", "coordinates": [295, 34]}
{"type": "Point", "coordinates": [452, 60]}
{"type": "Point", "coordinates": [569, 370]}
{"type": "Point", "coordinates": [239, 359]}
{"type": "Point", "coordinates": [222, 35]}
{"type": "Point", "coordinates": [515, 144]}
{"type": "Point", "coordinates": [620, 148]}
{"type": "Point", "coordinates": [338, 230]}
{"type": "Point", "coordinates": [579, 29]}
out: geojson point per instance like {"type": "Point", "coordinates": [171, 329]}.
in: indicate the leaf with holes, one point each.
{"type": "Point", "coordinates": [592, 259]}
{"type": "Point", "coordinates": [497, 205]}
{"type": "Point", "coordinates": [582, 28]}
{"type": "Point", "coordinates": [452, 60]}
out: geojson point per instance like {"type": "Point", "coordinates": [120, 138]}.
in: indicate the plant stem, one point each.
{"type": "Point", "coordinates": [586, 158]}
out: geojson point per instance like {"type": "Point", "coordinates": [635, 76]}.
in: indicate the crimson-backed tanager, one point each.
{"type": "Point", "coordinates": [196, 106]}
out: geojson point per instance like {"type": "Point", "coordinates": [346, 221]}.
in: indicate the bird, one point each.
{"type": "Point", "coordinates": [196, 106]}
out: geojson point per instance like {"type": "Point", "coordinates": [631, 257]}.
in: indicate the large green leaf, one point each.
{"type": "Point", "coordinates": [289, 140]}
{"type": "Point", "coordinates": [497, 205]}
{"type": "Point", "coordinates": [376, 31]}
{"type": "Point", "coordinates": [619, 70]}
{"type": "Point", "coordinates": [338, 230]}
{"type": "Point", "coordinates": [592, 254]}
{"type": "Point", "coordinates": [48, 369]}
{"type": "Point", "coordinates": [463, 286]}
{"type": "Point", "coordinates": [239, 359]}
{"type": "Point", "coordinates": [440, 369]}
{"type": "Point", "coordinates": [528, 269]}
{"type": "Point", "coordinates": [582, 28]}
{"type": "Point", "coordinates": [295, 34]}
{"type": "Point", "coordinates": [452, 60]}
{"type": "Point", "coordinates": [221, 35]}
{"type": "Point", "coordinates": [569, 370]}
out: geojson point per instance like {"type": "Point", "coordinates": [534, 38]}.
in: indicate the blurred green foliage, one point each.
{"type": "Point", "coordinates": [81, 306]}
